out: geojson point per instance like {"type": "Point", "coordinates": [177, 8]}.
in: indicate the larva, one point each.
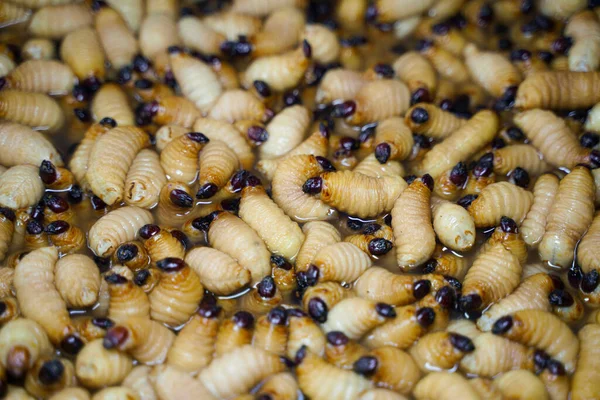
{"type": "Point", "coordinates": [77, 279]}
{"type": "Point", "coordinates": [7, 228]}
{"type": "Point", "coordinates": [6, 278]}
{"type": "Point", "coordinates": [145, 340]}
{"type": "Point", "coordinates": [35, 235]}
{"type": "Point", "coordinates": [271, 331]}
{"type": "Point", "coordinates": [339, 84]}
{"type": "Point", "coordinates": [393, 140]}
{"type": "Point", "coordinates": [524, 156]}
{"type": "Point", "coordinates": [92, 328]}
{"type": "Point", "coordinates": [220, 273]}
{"type": "Point", "coordinates": [11, 309]}
{"type": "Point", "coordinates": [132, 12]}
{"type": "Point", "coordinates": [118, 42]}
{"type": "Point", "coordinates": [441, 350]}
{"type": "Point", "coordinates": [323, 42]}
{"type": "Point", "coordinates": [507, 234]}
{"type": "Point", "coordinates": [522, 384]}
{"type": "Point", "coordinates": [417, 72]}
{"type": "Point", "coordinates": [165, 134]}
{"type": "Point", "coordinates": [584, 28]}
{"type": "Point", "coordinates": [449, 185]}
{"type": "Point", "coordinates": [280, 32]}
{"type": "Point", "coordinates": [263, 298]}
{"type": "Point", "coordinates": [127, 300]}
{"type": "Point", "coordinates": [179, 159]}
{"type": "Point", "coordinates": [446, 64]}
{"type": "Point", "coordinates": [79, 161]}
{"type": "Point", "coordinates": [414, 236]}
{"type": "Point", "coordinates": [343, 352]}
{"type": "Point", "coordinates": [586, 256]}
{"type": "Point", "coordinates": [286, 131]}
{"type": "Point", "coordinates": [217, 163]}
{"type": "Point", "coordinates": [453, 225]}
{"type": "Point", "coordinates": [196, 35]}
{"type": "Point", "coordinates": [559, 90]}
{"type": "Point", "coordinates": [234, 332]}
{"type": "Point", "coordinates": [583, 386]}
{"type": "Point", "coordinates": [377, 100]}
{"type": "Point", "coordinates": [553, 138]}
{"type": "Point", "coordinates": [261, 8]}
{"type": "Point", "coordinates": [491, 70]}
{"type": "Point", "coordinates": [82, 51]}
{"type": "Point", "coordinates": [317, 234]}
{"type": "Point", "coordinates": [107, 166]}
{"type": "Point", "coordinates": [303, 331]}
{"type": "Point", "coordinates": [561, 8]}
{"type": "Point", "coordinates": [319, 299]}
{"type": "Point", "coordinates": [444, 386]}
{"type": "Point", "coordinates": [339, 262]}
{"type": "Point", "coordinates": [148, 91]}
{"type": "Point", "coordinates": [570, 216]}
{"type": "Point", "coordinates": [157, 32]}
{"type": "Point", "coordinates": [175, 204]}
{"type": "Point", "coordinates": [470, 138]}
{"type": "Point", "coordinates": [370, 166]}
{"type": "Point", "coordinates": [17, 393]}
{"type": "Point", "coordinates": [542, 330]}
{"type": "Point", "coordinates": [224, 378]}
{"type": "Point", "coordinates": [544, 193]}
{"type": "Point", "coordinates": [71, 16]}
{"type": "Point", "coordinates": [498, 200]}
{"type": "Point", "coordinates": [42, 76]}
{"type": "Point", "coordinates": [168, 110]}
{"type": "Point", "coordinates": [232, 24]}
{"type": "Point", "coordinates": [139, 381]}
{"type": "Point", "coordinates": [280, 386]}
{"type": "Point", "coordinates": [36, 110]}
{"type": "Point", "coordinates": [96, 366]}
{"type": "Point", "coordinates": [116, 227]}
{"type": "Point", "coordinates": [112, 102]}
{"type": "Point", "coordinates": [144, 180]}
{"type": "Point", "coordinates": [24, 341]}
{"type": "Point", "coordinates": [220, 130]}
{"type": "Point", "coordinates": [431, 121]}
{"type": "Point", "coordinates": [380, 394]}
{"type": "Point", "coordinates": [389, 367]}
{"type": "Point", "coordinates": [171, 383]}
{"type": "Point", "coordinates": [375, 240]}
{"type": "Point", "coordinates": [356, 316]}
{"type": "Point", "coordinates": [56, 178]}
{"type": "Point", "coordinates": [6, 65]}
{"type": "Point", "coordinates": [20, 187]}
{"type": "Point", "coordinates": [12, 14]}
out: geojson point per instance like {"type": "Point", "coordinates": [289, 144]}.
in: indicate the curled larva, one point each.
{"type": "Point", "coordinates": [524, 156]}
{"type": "Point", "coordinates": [168, 110]}
{"type": "Point", "coordinates": [233, 24]}
{"type": "Point", "coordinates": [444, 386]}
{"type": "Point", "coordinates": [79, 161]}
{"type": "Point", "coordinates": [508, 235]}
{"type": "Point", "coordinates": [82, 51]}
{"type": "Point", "coordinates": [110, 160]}
{"type": "Point", "coordinates": [441, 350]}
{"type": "Point", "coordinates": [498, 200]}
{"type": "Point", "coordinates": [35, 235]}
{"type": "Point", "coordinates": [553, 138]}
{"type": "Point", "coordinates": [584, 29]}
{"type": "Point", "coordinates": [319, 299]}
{"type": "Point", "coordinates": [339, 262]}
{"type": "Point", "coordinates": [321, 380]}
{"type": "Point", "coordinates": [175, 204]}
{"type": "Point", "coordinates": [179, 159]}
{"type": "Point", "coordinates": [521, 384]}
{"type": "Point", "coordinates": [583, 385]}
{"type": "Point", "coordinates": [172, 383]}
{"type": "Point", "coordinates": [236, 105]}
{"type": "Point", "coordinates": [20, 187]}
{"type": "Point", "coordinates": [453, 225]}
{"type": "Point", "coordinates": [414, 236]}
{"type": "Point", "coordinates": [356, 316]}
{"type": "Point", "coordinates": [544, 193]}
{"type": "Point", "coordinates": [197, 80]}
{"type": "Point", "coordinates": [393, 140]}
{"type": "Point", "coordinates": [55, 22]}
{"type": "Point", "coordinates": [491, 70]}
{"type": "Point", "coordinates": [36, 110]}
{"type": "Point", "coordinates": [214, 130]}
{"type": "Point", "coordinates": [234, 332]}
{"type": "Point", "coordinates": [448, 65]}
{"type": "Point", "coordinates": [559, 90]}
{"type": "Point", "coordinates": [71, 393]}
{"type": "Point", "coordinates": [340, 84]}
{"type": "Point", "coordinates": [432, 121]}
{"type": "Point", "coordinates": [77, 280]}
{"type": "Point", "coordinates": [570, 216]}
{"type": "Point", "coordinates": [96, 366]}
{"type": "Point", "coordinates": [38, 49]}
{"type": "Point", "coordinates": [470, 138]}
{"type": "Point", "coordinates": [271, 331]}
{"type": "Point", "coordinates": [217, 163]}
{"type": "Point", "coordinates": [196, 35]}
{"type": "Point", "coordinates": [286, 131]}
{"type": "Point", "coordinates": [561, 8]}
{"type": "Point", "coordinates": [279, 33]}
{"type": "Point", "coordinates": [303, 331]}
{"type": "Point", "coordinates": [375, 239]}
{"type": "Point", "coordinates": [543, 330]}
{"type": "Point", "coordinates": [532, 294]}
{"type": "Point", "coordinates": [145, 340]}
{"type": "Point", "coordinates": [116, 227]}
{"type": "Point", "coordinates": [417, 72]}
{"type": "Point", "coordinates": [377, 100]}
{"type": "Point", "coordinates": [218, 272]}
{"type": "Point", "coordinates": [118, 42]}
{"type": "Point", "coordinates": [495, 273]}
{"type": "Point", "coordinates": [127, 300]}
{"type": "Point", "coordinates": [112, 102]}
{"type": "Point", "coordinates": [144, 180]}
{"type": "Point", "coordinates": [323, 42]}
{"type": "Point", "coordinates": [281, 235]}
{"type": "Point", "coordinates": [236, 372]}
{"type": "Point", "coordinates": [157, 32]}
{"type": "Point", "coordinates": [318, 234]}
{"type": "Point", "coordinates": [23, 341]}
{"type": "Point", "coordinates": [42, 76]}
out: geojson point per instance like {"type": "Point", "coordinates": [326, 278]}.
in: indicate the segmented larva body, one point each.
{"type": "Point", "coordinates": [22, 342]}
{"type": "Point", "coordinates": [354, 317]}
{"type": "Point", "coordinates": [586, 253]}
{"type": "Point", "coordinates": [179, 159]}
{"type": "Point", "coordinates": [234, 333]}
{"type": "Point", "coordinates": [115, 392]}
{"type": "Point", "coordinates": [77, 280]}
{"type": "Point", "coordinates": [453, 225]}
{"type": "Point", "coordinates": [139, 381]}
{"type": "Point", "coordinates": [79, 161]}
{"type": "Point", "coordinates": [370, 166]}
{"type": "Point", "coordinates": [225, 132]}
{"type": "Point", "coordinates": [196, 35]}
{"type": "Point", "coordinates": [175, 110]}
{"type": "Point", "coordinates": [55, 22]}
{"type": "Point", "coordinates": [234, 237]}
{"type": "Point", "coordinates": [380, 99]}
{"type": "Point", "coordinates": [110, 160]}
{"type": "Point", "coordinates": [261, 8]}
{"type": "Point", "coordinates": [343, 352]}
{"type": "Point", "coordinates": [525, 156]}
{"type": "Point", "coordinates": [220, 273]}
{"type": "Point", "coordinates": [96, 366]}
{"type": "Point", "coordinates": [157, 33]}
{"type": "Point", "coordinates": [6, 278]}
{"type": "Point", "coordinates": [127, 300]}
{"type": "Point", "coordinates": [559, 90]}
{"type": "Point", "coordinates": [280, 32]}
{"type": "Point", "coordinates": [491, 70]}
{"type": "Point", "coordinates": [583, 385]}
{"type": "Point", "coordinates": [20, 187]}
{"type": "Point", "coordinates": [238, 371]}
{"type": "Point", "coordinates": [323, 42]}
{"type": "Point", "coordinates": [7, 228]}
{"type": "Point", "coordinates": [562, 8]}
{"type": "Point", "coordinates": [71, 393]}
{"type": "Point", "coordinates": [381, 394]}
{"type": "Point", "coordinates": [111, 101]}
{"type": "Point", "coordinates": [340, 84]}
{"type": "Point", "coordinates": [446, 64]}
{"type": "Point", "coordinates": [11, 14]}
{"type": "Point", "coordinates": [341, 262]}
{"type": "Point", "coordinates": [163, 244]}
{"type": "Point", "coordinates": [396, 136]}
{"type": "Point", "coordinates": [271, 332]}
{"type": "Point", "coordinates": [236, 105]}
{"type": "Point", "coordinates": [42, 76]}
{"type": "Point", "coordinates": [304, 331]}
{"type": "Point", "coordinates": [543, 330]}
{"type": "Point", "coordinates": [327, 293]}
{"type": "Point", "coordinates": [531, 294]}
{"type": "Point", "coordinates": [318, 234]}
{"type": "Point", "coordinates": [444, 386]}
{"type": "Point", "coordinates": [218, 162]}
{"type": "Point", "coordinates": [570, 216]}
{"type": "Point", "coordinates": [36, 110]}
{"type": "Point", "coordinates": [286, 131]}
{"type": "Point", "coordinates": [171, 383]}
{"type": "Point", "coordinates": [280, 72]}
{"type": "Point", "coordinates": [431, 121]}
{"type": "Point", "coordinates": [416, 71]}
{"type": "Point", "coordinates": [395, 369]}
{"type": "Point", "coordinates": [584, 28]}
{"type": "Point", "coordinates": [6, 65]}
{"type": "Point", "coordinates": [510, 238]}
{"type": "Point", "coordinates": [440, 350]}
{"type": "Point", "coordinates": [116, 227]}
{"type": "Point", "coordinates": [498, 200]}
{"type": "Point", "coordinates": [470, 138]}
{"type": "Point", "coordinates": [552, 137]}
{"type": "Point", "coordinates": [145, 340]}
{"type": "Point", "coordinates": [280, 386]}
{"type": "Point", "coordinates": [232, 24]}
{"type": "Point", "coordinates": [521, 384]}
{"type": "Point", "coordinates": [119, 43]}
{"type": "Point", "coordinates": [321, 380]}
{"type": "Point", "coordinates": [165, 134]}
{"type": "Point", "coordinates": [82, 51]}
{"type": "Point", "coordinates": [144, 180]}
{"type": "Point", "coordinates": [414, 236]}
{"type": "Point", "coordinates": [391, 11]}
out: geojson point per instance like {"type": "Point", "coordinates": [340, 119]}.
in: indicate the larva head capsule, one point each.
{"type": "Point", "coordinates": [115, 337]}
{"type": "Point", "coordinates": [590, 281]}
{"type": "Point", "coordinates": [318, 310]}
{"type": "Point", "coordinates": [313, 185]}
{"type": "Point", "coordinates": [366, 366]}
{"type": "Point", "coordinates": [257, 134]}
{"type": "Point", "coordinates": [383, 151]}
{"type": "Point", "coordinates": [419, 115]}
{"type": "Point", "coordinates": [421, 288]}
{"type": "Point", "coordinates": [71, 344]}
{"type": "Point", "coordinates": [277, 316]}
{"type": "Point", "coordinates": [462, 343]}
{"type": "Point", "coordinates": [170, 264]}
{"type": "Point", "coordinates": [181, 199]}
{"type": "Point", "coordinates": [145, 112]}
{"type": "Point", "coordinates": [51, 372]}
{"type": "Point", "coordinates": [262, 88]}
{"type": "Point", "coordinates": [425, 316]}
{"type": "Point", "coordinates": [209, 311]}
{"type": "Point", "coordinates": [502, 325]}
{"type": "Point", "coordinates": [560, 298]}
{"type": "Point", "coordinates": [148, 230]}
{"type": "Point", "coordinates": [471, 302]}
{"type": "Point", "coordinates": [344, 110]}
{"type": "Point", "coordinates": [508, 225]}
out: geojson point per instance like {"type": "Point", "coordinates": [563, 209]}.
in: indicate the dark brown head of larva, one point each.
{"type": "Point", "coordinates": [171, 264]}
{"type": "Point", "coordinates": [145, 112]}
{"type": "Point", "coordinates": [197, 137]}
{"type": "Point", "coordinates": [203, 223]}
{"type": "Point", "coordinates": [207, 191]}
{"type": "Point", "coordinates": [379, 246]}
{"type": "Point", "coordinates": [502, 325]}
{"type": "Point", "coordinates": [313, 185]}
{"type": "Point", "coordinates": [461, 343]}
{"type": "Point", "coordinates": [57, 227]}
{"type": "Point", "coordinates": [148, 230]}
{"type": "Point", "coordinates": [508, 225]}
{"type": "Point", "coordinates": [383, 151]}
{"type": "Point", "coordinates": [51, 372]}
{"type": "Point", "coordinates": [8, 214]}
{"type": "Point", "coordinates": [209, 311]}
{"type": "Point", "coordinates": [344, 110]}
{"type": "Point", "coordinates": [366, 366]}
{"type": "Point", "coordinates": [127, 252]}
{"type": "Point", "coordinates": [257, 134]}
{"type": "Point", "coordinates": [470, 302]}
{"type": "Point", "coordinates": [115, 337]}
{"type": "Point", "coordinates": [419, 115]}
{"type": "Point", "coordinates": [318, 309]}
{"type": "Point", "coordinates": [181, 198]}
{"type": "Point", "coordinates": [47, 172]}
{"type": "Point", "coordinates": [115, 279]}
{"type": "Point", "coordinates": [71, 344]}
{"type": "Point", "coordinates": [243, 319]}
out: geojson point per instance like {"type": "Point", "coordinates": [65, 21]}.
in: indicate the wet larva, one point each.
{"type": "Point", "coordinates": [119, 43]}
{"type": "Point", "coordinates": [584, 29]}
{"type": "Point", "coordinates": [319, 299]}
{"type": "Point", "coordinates": [323, 42]}
{"type": "Point", "coordinates": [24, 341]}
{"type": "Point", "coordinates": [356, 316]}
{"type": "Point", "coordinates": [340, 84]}
{"type": "Point", "coordinates": [79, 161]}
{"type": "Point", "coordinates": [82, 51]}
{"type": "Point", "coordinates": [70, 16]}
{"type": "Point", "coordinates": [72, 393]}
{"type": "Point", "coordinates": [196, 35]}
{"type": "Point", "coordinates": [264, 297]}
{"type": "Point", "coordinates": [17, 393]}
{"type": "Point", "coordinates": [165, 134]}
{"type": "Point", "coordinates": [444, 386]}
{"type": "Point", "coordinates": [179, 159]}
{"type": "Point", "coordinates": [393, 140]}
{"type": "Point", "coordinates": [127, 300]}
{"type": "Point", "coordinates": [107, 167]}
{"type": "Point", "coordinates": [321, 380]}
{"type": "Point", "coordinates": [379, 99]}
{"type": "Point", "coordinates": [35, 235]}
{"type": "Point", "coordinates": [280, 32]}
{"type": "Point", "coordinates": [491, 70]}
{"type": "Point", "coordinates": [145, 340]}
{"type": "Point", "coordinates": [92, 328]}
{"type": "Point", "coordinates": [11, 14]}
{"type": "Point", "coordinates": [217, 163]}
{"type": "Point", "coordinates": [175, 204]}
{"type": "Point", "coordinates": [112, 102]}
{"type": "Point", "coordinates": [508, 235]}
{"type": "Point", "coordinates": [559, 90]}
{"type": "Point", "coordinates": [286, 131]}
{"type": "Point", "coordinates": [521, 384]}
{"type": "Point", "coordinates": [6, 278]}
{"type": "Point", "coordinates": [566, 306]}
{"type": "Point", "coordinates": [449, 185]}
{"type": "Point", "coordinates": [236, 105]}
{"type": "Point", "coordinates": [36, 110]}
{"type": "Point", "coordinates": [77, 280]}
{"type": "Point", "coordinates": [116, 227]}
{"type": "Point", "coordinates": [557, 386]}
{"type": "Point", "coordinates": [96, 366]}
{"type": "Point", "coordinates": [236, 372]}
{"type": "Point", "coordinates": [167, 7]}
{"type": "Point", "coordinates": [370, 166]}
{"type": "Point", "coordinates": [303, 331]}
{"type": "Point", "coordinates": [416, 71]}
{"type": "Point", "coordinates": [157, 32]}
{"type": "Point", "coordinates": [446, 64]}
{"type": "Point", "coordinates": [56, 178]}
{"type": "Point", "coordinates": [282, 386]}
{"type": "Point", "coordinates": [343, 352]}
{"type": "Point", "coordinates": [339, 262]}
{"type": "Point", "coordinates": [168, 110]}
{"type": "Point", "coordinates": [271, 331]}
{"type": "Point", "coordinates": [570, 216]}
{"type": "Point", "coordinates": [586, 254]}
{"type": "Point", "coordinates": [223, 131]}
{"type": "Point", "coordinates": [412, 213]}
{"type": "Point", "coordinates": [389, 367]}
{"type": "Point", "coordinates": [524, 156]}
{"type": "Point", "coordinates": [6, 65]}
{"type": "Point", "coordinates": [553, 138]}
{"type": "Point", "coordinates": [376, 240]}
{"type": "Point", "coordinates": [42, 76]}
{"type": "Point", "coordinates": [498, 200]}
{"type": "Point", "coordinates": [172, 383]}
{"type": "Point", "coordinates": [431, 121]}
{"type": "Point", "coordinates": [583, 385]}
{"type": "Point", "coordinates": [160, 243]}
{"type": "Point", "coordinates": [218, 272]}
{"type": "Point", "coordinates": [20, 187]}
{"type": "Point", "coordinates": [38, 49]}
{"type": "Point", "coordinates": [10, 308]}
{"type": "Point", "coordinates": [234, 332]}
{"type": "Point", "coordinates": [561, 8]}
{"type": "Point", "coordinates": [453, 225]}
{"type": "Point", "coordinates": [177, 294]}
{"type": "Point", "coordinates": [144, 180]}
{"type": "Point", "coordinates": [49, 375]}
{"type": "Point", "coordinates": [542, 330]}
{"type": "Point", "coordinates": [532, 293]}
{"type": "Point", "coordinates": [148, 91]}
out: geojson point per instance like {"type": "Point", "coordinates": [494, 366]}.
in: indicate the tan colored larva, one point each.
{"type": "Point", "coordinates": [521, 384]}
{"type": "Point", "coordinates": [96, 366]}
{"type": "Point", "coordinates": [561, 8]}
{"type": "Point", "coordinates": [79, 161]}
{"type": "Point", "coordinates": [220, 273]}
{"type": "Point", "coordinates": [111, 101]}
{"type": "Point", "coordinates": [586, 255]}
{"type": "Point", "coordinates": [127, 300]}
{"type": "Point", "coordinates": [271, 332]}
{"type": "Point", "coordinates": [6, 279]}
{"type": "Point", "coordinates": [20, 187]}
{"type": "Point", "coordinates": [286, 131]}
{"type": "Point", "coordinates": [7, 228]}
{"type": "Point", "coordinates": [370, 166]}
{"type": "Point", "coordinates": [196, 35]}
{"type": "Point", "coordinates": [449, 185]}
{"type": "Point", "coordinates": [174, 110]}
{"type": "Point", "coordinates": [524, 156]}
{"type": "Point", "coordinates": [165, 134]}
{"type": "Point", "coordinates": [82, 51]}
{"type": "Point", "coordinates": [453, 225]}
{"type": "Point", "coordinates": [175, 204]}
{"type": "Point", "coordinates": [356, 316]}
{"type": "Point", "coordinates": [36, 110]}
{"type": "Point", "coordinates": [381, 394]}
{"type": "Point", "coordinates": [431, 121]}
{"type": "Point", "coordinates": [234, 333]}
{"type": "Point", "coordinates": [139, 381]}
{"type": "Point", "coordinates": [440, 350]}
{"type": "Point", "coordinates": [491, 70]}
{"type": "Point", "coordinates": [583, 387]}
{"type": "Point", "coordinates": [77, 280]}
{"type": "Point", "coordinates": [160, 243]}
{"type": "Point", "coordinates": [498, 200]}
{"type": "Point", "coordinates": [167, 7]}
{"type": "Point", "coordinates": [263, 298]}
{"type": "Point", "coordinates": [584, 28]}
{"type": "Point", "coordinates": [236, 105]}
{"type": "Point", "coordinates": [224, 131]}
{"type": "Point", "coordinates": [542, 330]}
{"type": "Point", "coordinates": [416, 71]}
{"type": "Point", "coordinates": [379, 99]}
{"type": "Point", "coordinates": [261, 8]}
{"type": "Point", "coordinates": [116, 227]}
{"type": "Point", "coordinates": [157, 32]}
{"type": "Point", "coordinates": [119, 43]}
{"type": "Point", "coordinates": [444, 386]}
{"type": "Point", "coordinates": [391, 11]}
{"type": "Point", "coordinates": [179, 159]}
{"type": "Point", "coordinates": [340, 262]}
{"type": "Point", "coordinates": [343, 352]}
{"type": "Point", "coordinates": [144, 180]}
{"type": "Point", "coordinates": [42, 76]}
{"type": "Point", "coordinates": [509, 236]}
{"type": "Point", "coordinates": [280, 32]}
{"type": "Point", "coordinates": [11, 14]}
{"type": "Point", "coordinates": [232, 24]}
{"type": "Point", "coordinates": [340, 84]}
{"type": "Point", "coordinates": [321, 380]}
{"type": "Point", "coordinates": [393, 140]}
{"type": "Point", "coordinates": [147, 91]}
{"type": "Point", "coordinates": [282, 386]}
{"type": "Point", "coordinates": [23, 343]}
{"type": "Point", "coordinates": [107, 167]}
{"type": "Point", "coordinates": [171, 383]}
{"type": "Point", "coordinates": [414, 236]}
{"type": "Point", "coordinates": [71, 393]}
{"type": "Point", "coordinates": [303, 331]}
{"type": "Point", "coordinates": [375, 240]}
{"type": "Point", "coordinates": [217, 163]}
{"type": "Point", "coordinates": [446, 64]}
{"type": "Point", "coordinates": [92, 328]}
{"type": "Point", "coordinates": [324, 295]}
{"type": "Point", "coordinates": [55, 22]}
{"type": "Point", "coordinates": [38, 49]}
{"type": "Point", "coordinates": [570, 216]}
{"type": "Point", "coordinates": [236, 372]}
{"type": "Point", "coordinates": [115, 393]}
{"type": "Point", "coordinates": [559, 90]}
{"type": "Point", "coordinates": [323, 42]}
{"type": "Point", "coordinates": [394, 369]}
